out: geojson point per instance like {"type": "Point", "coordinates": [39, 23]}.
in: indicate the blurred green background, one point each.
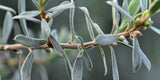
{"type": "Point", "coordinates": [100, 12]}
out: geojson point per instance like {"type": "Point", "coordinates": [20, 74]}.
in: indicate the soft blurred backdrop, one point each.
{"type": "Point", "coordinates": [100, 12]}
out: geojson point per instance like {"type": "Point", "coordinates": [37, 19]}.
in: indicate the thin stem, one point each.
{"type": "Point", "coordinates": [64, 45]}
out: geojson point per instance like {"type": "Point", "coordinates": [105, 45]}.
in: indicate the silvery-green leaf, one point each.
{"type": "Point", "coordinates": [143, 57]}
{"type": "Point", "coordinates": [145, 60]}
{"type": "Point", "coordinates": [136, 55]}
{"type": "Point", "coordinates": [155, 29]}
{"type": "Point", "coordinates": [28, 41]}
{"type": "Point", "coordinates": [155, 6]}
{"type": "Point", "coordinates": [97, 27]}
{"type": "Point", "coordinates": [61, 53]}
{"type": "Point", "coordinates": [22, 8]}
{"type": "Point", "coordinates": [120, 9]}
{"type": "Point", "coordinates": [43, 72]}
{"type": "Point", "coordinates": [115, 27]}
{"type": "Point", "coordinates": [88, 61]}
{"type": "Point", "coordinates": [77, 71]}
{"type": "Point", "coordinates": [45, 29]}
{"type": "Point", "coordinates": [90, 22]}
{"type": "Point", "coordinates": [106, 39]}
{"type": "Point", "coordinates": [19, 64]}
{"type": "Point", "coordinates": [27, 67]}
{"type": "Point", "coordinates": [60, 8]}
{"type": "Point", "coordinates": [115, 72]}
{"type": "Point", "coordinates": [54, 33]}
{"type": "Point", "coordinates": [68, 66]}
{"type": "Point", "coordinates": [71, 20]}
{"type": "Point", "coordinates": [24, 26]}
{"type": "Point", "coordinates": [27, 18]}
{"type": "Point", "coordinates": [144, 4]}
{"type": "Point", "coordinates": [104, 60]}
{"type": "Point", "coordinates": [57, 46]}
{"type": "Point", "coordinates": [36, 4]}
{"type": "Point", "coordinates": [16, 28]}
{"type": "Point", "coordinates": [7, 8]}
{"type": "Point", "coordinates": [29, 13]}
{"type": "Point", "coordinates": [7, 26]}
{"type": "Point", "coordinates": [127, 9]}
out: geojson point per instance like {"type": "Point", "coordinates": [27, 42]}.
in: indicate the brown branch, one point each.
{"type": "Point", "coordinates": [63, 45]}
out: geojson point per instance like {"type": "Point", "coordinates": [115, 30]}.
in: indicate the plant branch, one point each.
{"type": "Point", "coordinates": [64, 45]}
{"type": "Point", "coordinates": [69, 46]}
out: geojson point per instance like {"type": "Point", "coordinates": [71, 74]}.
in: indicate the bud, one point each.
{"type": "Point", "coordinates": [145, 14]}
{"type": "Point", "coordinates": [47, 17]}
{"type": "Point", "coordinates": [138, 21]}
{"type": "Point", "coordinates": [114, 44]}
{"type": "Point", "coordinates": [148, 23]}
{"type": "Point", "coordinates": [121, 38]}
{"type": "Point", "coordinates": [137, 33]}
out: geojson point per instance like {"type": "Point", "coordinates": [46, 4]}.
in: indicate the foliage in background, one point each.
{"type": "Point", "coordinates": [132, 16]}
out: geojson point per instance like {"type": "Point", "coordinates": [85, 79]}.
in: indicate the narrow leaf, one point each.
{"type": "Point", "coordinates": [68, 66]}
{"type": "Point", "coordinates": [22, 8]}
{"type": "Point", "coordinates": [71, 20]}
{"type": "Point", "coordinates": [115, 27]}
{"type": "Point", "coordinates": [104, 60]}
{"type": "Point", "coordinates": [36, 4]}
{"type": "Point", "coordinates": [27, 66]}
{"type": "Point", "coordinates": [154, 7]}
{"type": "Point", "coordinates": [114, 65]}
{"type": "Point", "coordinates": [90, 22]}
{"type": "Point", "coordinates": [144, 4]}
{"type": "Point", "coordinates": [145, 60]}
{"type": "Point", "coordinates": [28, 41]}
{"type": "Point", "coordinates": [27, 18]}
{"type": "Point", "coordinates": [57, 46]}
{"type": "Point", "coordinates": [61, 53]}
{"type": "Point", "coordinates": [136, 57]}
{"type": "Point", "coordinates": [43, 72]}
{"type": "Point", "coordinates": [98, 29]}
{"type": "Point", "coordinates": [7, 8]}
{"type": "Point", "coordinates": [120, 9]}
{"type": "Point", "coordinates": [106, 39]}
{"type": "Point", "coordinates": [127, 9]}
{"type": "Point", "coordinates": [60, 8]}
{"type": "Point", "coordinates": [7, 26]}
{"type": "Point", "coordinates": [155, 29]}
{"type": "Point", "coordinates": [45, 29]}
{"type": "Point", "coordinates": [77, 71]}
{"type": "Point", "coordinates": [143, 57]}
{"type": "Point", "coordinates": [88, 61]}
{"type": "Point", "coordinates": [30, 13]}
{"type": "Point", "coordinates": [54, 33]}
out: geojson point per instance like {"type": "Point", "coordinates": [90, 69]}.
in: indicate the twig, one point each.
{"type": "Point", "coordinates": [64, 45]}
